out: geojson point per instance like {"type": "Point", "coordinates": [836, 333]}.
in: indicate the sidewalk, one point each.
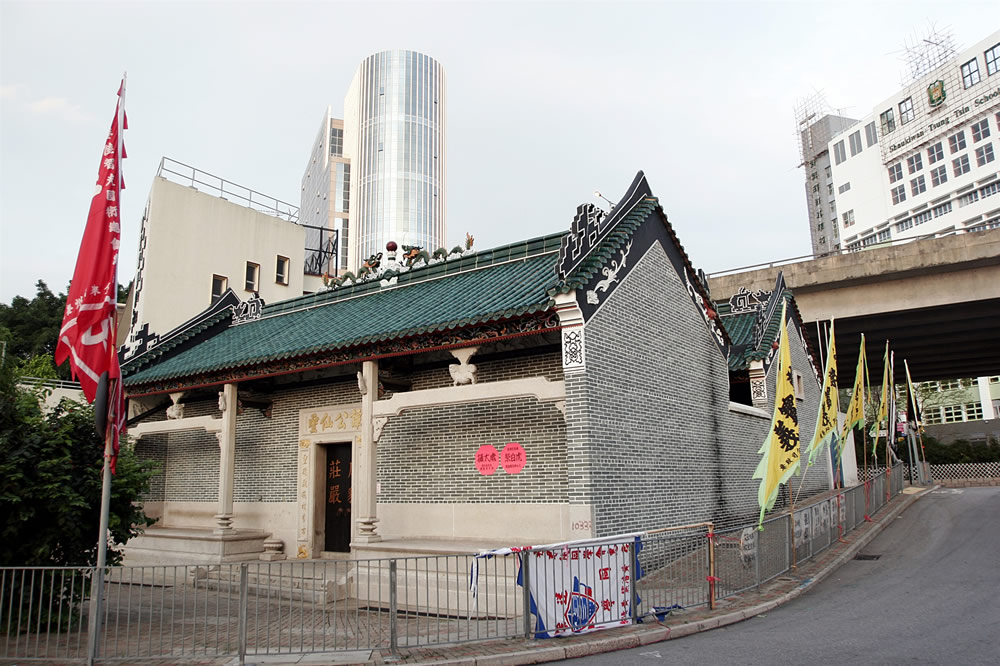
{"type": "Point", "coordinates": [782, 589]}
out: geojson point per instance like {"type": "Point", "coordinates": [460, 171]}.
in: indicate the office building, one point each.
{"type": "Point", "coordinates": [923, 161]}
{"type": "Point", "coordinates": [378, 175]}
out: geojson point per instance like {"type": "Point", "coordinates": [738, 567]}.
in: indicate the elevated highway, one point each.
{"type": "Point", "coordinates": [936, 300]}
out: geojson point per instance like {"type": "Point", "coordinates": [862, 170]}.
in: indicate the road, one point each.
{"type": "Point", "coordinates": [932, 597]}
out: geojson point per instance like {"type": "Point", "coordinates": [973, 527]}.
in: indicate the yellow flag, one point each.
{"type": "Point", "coordinates": [829, 404]}
{"type": "Point", "coordinates": [883, 405]}
{"type": "Point", "coordinates": [856, 408]}
{"type": "Point", "coordinates": [781, 447]}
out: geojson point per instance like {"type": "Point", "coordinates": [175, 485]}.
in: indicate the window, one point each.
{"type": "Point", "coordinates": [819, 227]}
{"type": "Point", "coordinates": [336, 142]}
{"type": "Point", "coordinates": [871, 135]}
{"type": "Point", "coordinates": [973, 411]}
{"type": "Point", "coordinates": [253, 272]}
{"type": "Point", "coordinates": [849, 218]}
{"type": "Point", "coordinates": [932, 416]}
{"type": "Point", "coordinates": [898, 194]}
{"type": "Point", "coordinates": [917, 185]}
{"type": "Point", "coordinates": [949, 385]}
{"type": "Point", "coordinates": [980, 130]}
{"type": "Point", "coordinates": [888, 123]}
{"type": "Point", "coordinates": [855, 140]}
{"type": "Point", "coordinates": [799, 384]}
{"type": "Point", "coordinates": [895, 172]}
{"type": "Point", "coordinates": [914, 163]}
{"type": "Point", "coordinates": [935, 153]}
{"type": "Point", "coordinates": [844, 188]}
{"type": "Point", "coordinates": [970, 73]}
{"type": "Point", "coordinates": [939, 176]}
{"type": "Point", "coordinates": [960, 165]}
{"type": "Point", "coordinates": [906, 111]}
{"type": "Point", "coordinates": [219, 285]}
{"type": "Point", "coordinates": [957, 142]}
{"type": "Point", "coordinates": [822, 240]}
{"type": "Point", "coordinates": [984, 154]}
{"type": "Point", "coordinates": [992, 57]}
{"type": "Point", "coordinates": [281, 270]}
{"type": "Point", "coordinates": [942, 209]}
{"type": "Point", "coordinates": [952, 413]}
{"type": "Point", "coordinates": [839, 155]}
{"type": "Point", "coordinates": [883, 236]}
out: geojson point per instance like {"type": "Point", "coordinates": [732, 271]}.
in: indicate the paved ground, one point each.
{"type": "Point", "coordinates": [213, 629]}
{"type": "Point", "coordinates": [930, 598]}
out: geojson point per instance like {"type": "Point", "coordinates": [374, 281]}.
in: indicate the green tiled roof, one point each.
{"type": "Point", "coordinates": [740, 329]}
{"type": "Point", "coordinates": [502, 283]}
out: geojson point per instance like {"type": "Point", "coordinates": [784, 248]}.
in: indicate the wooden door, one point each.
{"type": "Point", "coordinates": [338, 498]}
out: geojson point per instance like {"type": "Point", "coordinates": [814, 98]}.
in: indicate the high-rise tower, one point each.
{"type": "Point", "coordinates": [394, 137]}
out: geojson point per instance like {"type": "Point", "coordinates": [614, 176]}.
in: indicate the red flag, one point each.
{"type": "Point", "coordinates": [87, 335]}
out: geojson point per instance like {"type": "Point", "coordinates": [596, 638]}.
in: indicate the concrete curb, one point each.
{"type": "Point", "coordinates": [641, 636]}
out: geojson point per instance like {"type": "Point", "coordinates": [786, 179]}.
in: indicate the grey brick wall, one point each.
{"type": "Point", "coordinates": [265, 448]}
{"type": "Point", "coordinates": [427, 455]}
{"type": "Point", "coordinates": [154, 447]}
{"type": "Point", "coordinates": [651, 440]}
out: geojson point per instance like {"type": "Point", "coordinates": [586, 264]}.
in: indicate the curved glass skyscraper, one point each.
{"type": "Point", "coordinates": [394, 119]}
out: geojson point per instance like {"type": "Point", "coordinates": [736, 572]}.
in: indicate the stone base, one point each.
{"type": "Point", "coordinates": [180, 545]}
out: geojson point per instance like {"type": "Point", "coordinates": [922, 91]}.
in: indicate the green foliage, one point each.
{"type": "Point", "coordinates": [42, 367]}
{"type": "Point", "coordinates": [50, 483]}
{"type": "Point", "coordinates": [31, 328]}
{"type": "Point", "coordinates": [960, 451]}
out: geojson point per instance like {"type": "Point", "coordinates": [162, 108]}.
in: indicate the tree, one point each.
{"type": "Point", "coordinates": [31, 328]}
{"type": "Point", "coordinates": [50, 483]}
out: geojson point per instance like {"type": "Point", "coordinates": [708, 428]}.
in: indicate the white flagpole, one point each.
{"type": "Point", "coordinates": [97, 584]}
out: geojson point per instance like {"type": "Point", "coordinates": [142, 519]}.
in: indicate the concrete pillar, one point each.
{"type": "Point", "coordinates": [366, 470]}
{"type": "Point", "coordinates": [227, 459]}
{"type": "Point", "coordinates": [985, 401]}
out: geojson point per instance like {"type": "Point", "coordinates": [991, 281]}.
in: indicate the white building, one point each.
{"type": "Point", "coordinates": [379, 174]}
{"type": "Point", "coordinates": [201, 236]}
{"type": "Point", "coordinates": [923, 161]}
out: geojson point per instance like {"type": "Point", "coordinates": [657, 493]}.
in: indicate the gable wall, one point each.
{"type": "Point", "coordinates": [653, 442]}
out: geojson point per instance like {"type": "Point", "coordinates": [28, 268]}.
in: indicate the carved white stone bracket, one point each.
{"type": "Point", "coordinates": [464, 372]}
{"type": "Point", "coordinates": [561, 406]}
{"type": "Point", "coordinates": [176, 410]}
{"type": "Point", "coordinates": [377, 424]}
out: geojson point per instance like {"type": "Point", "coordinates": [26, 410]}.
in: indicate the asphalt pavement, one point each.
{"type": "Point", "coordinates": [932, 596]}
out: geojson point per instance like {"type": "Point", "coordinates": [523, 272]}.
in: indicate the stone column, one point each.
{"type": "Point", "coordinates": [227, 459]}
{"type": "Point", "coordinates": [366, 470]}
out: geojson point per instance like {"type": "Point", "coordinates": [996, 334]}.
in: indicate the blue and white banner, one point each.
{"type": "Point", "coordinates": [577, 586]}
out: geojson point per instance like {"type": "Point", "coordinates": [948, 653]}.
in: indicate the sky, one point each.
{"type": "Point", "coordinates": [546, 103]}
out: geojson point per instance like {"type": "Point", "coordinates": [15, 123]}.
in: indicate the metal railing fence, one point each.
{"type": "Point", "coordinates": [313, 606]}
{"type": "Point", "coordinates": [185, 174]}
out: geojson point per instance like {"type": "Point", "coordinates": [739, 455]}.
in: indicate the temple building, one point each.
{"type": "Point", "coordinates": [576, 385]}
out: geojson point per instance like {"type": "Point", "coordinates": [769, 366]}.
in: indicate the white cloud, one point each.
{"type": "Point", "coordinates": [58, 106]}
